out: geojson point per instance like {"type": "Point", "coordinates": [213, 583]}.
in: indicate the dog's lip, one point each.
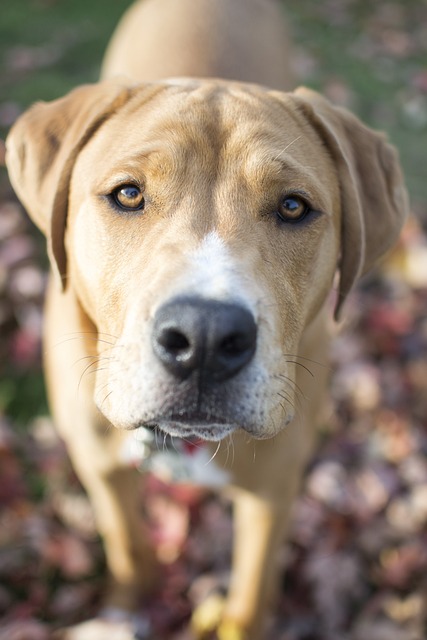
{"type": "Point", "coordinates": [194, 426]}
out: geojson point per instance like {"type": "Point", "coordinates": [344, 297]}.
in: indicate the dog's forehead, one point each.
{"type": "Point", "coordinates": [223, 111]}
{"type": "Point", "coordinates": [209, 120]}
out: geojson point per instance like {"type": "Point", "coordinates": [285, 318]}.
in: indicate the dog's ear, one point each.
{"type": "Point", "coordinates": [374, 202]}
{"type": "Point", "coordinates": [41, 150]}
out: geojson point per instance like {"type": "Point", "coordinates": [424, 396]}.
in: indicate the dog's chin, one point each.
{"type": "Point", "coordinates": [198, 429]}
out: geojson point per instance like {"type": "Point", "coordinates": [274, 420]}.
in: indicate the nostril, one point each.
{"type": "Point", "coordinates": [173, 340]}
{"type": "Point", "coordinates": [175, 346]}
{"type": "Point", "coordinates": [235, 344]}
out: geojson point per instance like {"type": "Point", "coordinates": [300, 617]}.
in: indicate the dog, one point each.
{"type": "Point", "coordinates": [197, 212]}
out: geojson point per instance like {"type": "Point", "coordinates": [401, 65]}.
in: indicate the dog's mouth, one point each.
{"type": "Point", "coordinates": [178, 455]}
{"type": "Point", "coordinates": [194, 426]}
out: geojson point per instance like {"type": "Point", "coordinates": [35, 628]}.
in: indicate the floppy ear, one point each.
{"type": "Point", "coordinates": [374, 201]}
{"type": "Point", "coordinates": [41, 150]}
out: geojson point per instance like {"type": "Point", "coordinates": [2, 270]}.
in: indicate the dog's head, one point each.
{"type": "Point", "coordinates": [200, 224]}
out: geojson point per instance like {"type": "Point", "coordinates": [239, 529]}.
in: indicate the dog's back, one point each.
{"type": "Point", "coordinates": [243, 40]}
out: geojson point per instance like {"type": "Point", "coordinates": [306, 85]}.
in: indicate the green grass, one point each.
{"type": "Point", "coordinates": [22, 396]}
{"type": "Point", "coordinates": [73, 33]}
{"type": "Point", "coordinates": [382, 85]}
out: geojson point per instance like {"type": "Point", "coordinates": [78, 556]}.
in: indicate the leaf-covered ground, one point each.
{"type": "Point", "coordinates": [356, 564]}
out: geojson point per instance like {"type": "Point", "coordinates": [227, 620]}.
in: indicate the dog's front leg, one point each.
{"type": "Point", "coordinates": [259, 528]}
{"type": "Point", "coordinates": [112, 492]}
{"type": "Point", "coordinates": [95, 448]}
{"type": "Point", "coordinates": [267, 477]}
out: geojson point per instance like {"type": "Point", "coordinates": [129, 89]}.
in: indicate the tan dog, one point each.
{"type": "Point", "coordinates": [195, 228]}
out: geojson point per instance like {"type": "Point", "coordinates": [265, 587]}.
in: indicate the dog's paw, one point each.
{"type": "Point", "coordinates": [207, 616]}
{"type": "Point", "coordinates": [112, 624]}
{"type": "Point", "coordinates": [231, 630]}
{"type": "Point", "coordinates": [97, 630]}
{"type": "Point", "coordinates": [208, 621]}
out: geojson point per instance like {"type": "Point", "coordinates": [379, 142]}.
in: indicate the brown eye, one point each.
{"type": "Point", "coordinates": [292, 209]}
{"type": "Point", "coordinates": [129, 197]}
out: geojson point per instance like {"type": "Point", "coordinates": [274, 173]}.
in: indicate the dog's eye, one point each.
{"type": "Point", "coordinates": [129, 197]}
{"type": "Point", "coordinates": [292, 209]}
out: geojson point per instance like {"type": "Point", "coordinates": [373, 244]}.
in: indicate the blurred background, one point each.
{"type": "Point", "coordinates": [356, 565]}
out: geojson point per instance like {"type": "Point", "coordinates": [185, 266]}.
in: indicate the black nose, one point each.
{"type": "Point", "coordinates": [214, 339]}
